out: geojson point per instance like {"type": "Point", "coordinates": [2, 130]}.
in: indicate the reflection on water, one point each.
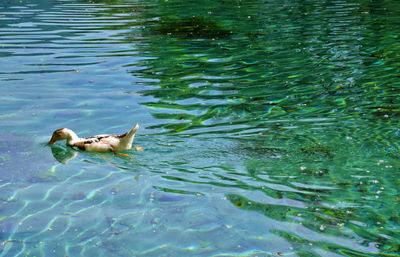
{"type": "Point", "coordinates": [63, 155]}
{"type": "Point", "coordinates": [269, 128]}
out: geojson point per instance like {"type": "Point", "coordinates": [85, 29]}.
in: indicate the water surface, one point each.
{"type": "Point", "coordinates": [269, 128]}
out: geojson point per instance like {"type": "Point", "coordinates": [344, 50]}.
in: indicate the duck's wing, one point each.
{"type": "Point", "coordinates": [112, 140]}
{"type": "Point", "coordinates": [108, 139]}
{"type": "Point", "coordinates": [86, 141]}
{"type": "Point", "coordinates": [99, 143]}
{"type": "Point", "coordinates": [99, 147]}
{"type": "Point", "coordinates": [93, 144]}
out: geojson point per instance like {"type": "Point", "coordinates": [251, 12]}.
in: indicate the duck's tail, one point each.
{"type": "Point", "coordinates": [133, 131]}
{"type": "Point", "coordinates": [127, 138]}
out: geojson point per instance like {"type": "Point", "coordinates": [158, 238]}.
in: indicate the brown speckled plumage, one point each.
{"type": "Point", "coordinates": [80, 145]}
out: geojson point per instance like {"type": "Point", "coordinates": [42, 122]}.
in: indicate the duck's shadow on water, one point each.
{"type": "Point", "coordinates": [64, 154]}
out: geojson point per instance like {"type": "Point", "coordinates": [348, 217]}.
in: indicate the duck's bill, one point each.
{"type": "Point", "coordinates": [51, 142]}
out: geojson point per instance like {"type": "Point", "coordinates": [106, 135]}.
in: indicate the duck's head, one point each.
{"type": "Point", "coordinates": [59, 134]}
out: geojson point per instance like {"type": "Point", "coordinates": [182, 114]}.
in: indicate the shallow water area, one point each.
{"type": "Point", "coordinates": [268, 128]}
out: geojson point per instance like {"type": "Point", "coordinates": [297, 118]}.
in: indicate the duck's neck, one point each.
{"type": "Point", "coordinates": [71, 137]}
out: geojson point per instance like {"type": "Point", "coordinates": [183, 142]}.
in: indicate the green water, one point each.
{"type": "Point", "coordinates": [269, 128]}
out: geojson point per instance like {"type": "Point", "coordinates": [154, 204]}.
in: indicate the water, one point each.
{"type": "Point", "coordinates": [269, 128]}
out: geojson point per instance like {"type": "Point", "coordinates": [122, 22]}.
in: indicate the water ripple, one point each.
{"type": "Point", "coordinates": [268, 128]}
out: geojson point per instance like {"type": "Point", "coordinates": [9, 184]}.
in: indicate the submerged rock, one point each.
{"type": "Point", "coordinates": [318, 150]}
{"type": "Point", "coordinates": [193, 27]}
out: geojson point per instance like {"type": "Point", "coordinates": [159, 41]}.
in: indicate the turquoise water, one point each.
{"type": "Point", "coordinates": [269, 128]}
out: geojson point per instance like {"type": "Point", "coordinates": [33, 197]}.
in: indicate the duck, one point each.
{"type": "Point", "coordinates": [98, 143]}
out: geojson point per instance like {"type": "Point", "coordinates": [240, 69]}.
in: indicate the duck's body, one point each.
{"type": "Point", "coordinates": [99, 143]}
